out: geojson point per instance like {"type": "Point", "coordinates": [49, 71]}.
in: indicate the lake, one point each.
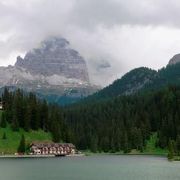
{"type": "Point", "coordinates": [105, 167]}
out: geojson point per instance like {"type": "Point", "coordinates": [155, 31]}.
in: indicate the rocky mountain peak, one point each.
{"type": "Point", "coordinates": [54, 43]}
{"type": "Point", "coordinates": [55, 57]}
{"type": "Point", "coordinates": [53, 70]}
{"type": "Point", "coordinates": [175, 59]}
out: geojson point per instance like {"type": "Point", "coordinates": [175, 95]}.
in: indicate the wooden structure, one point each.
{"type": "Point", "coordinates": [63, 149]}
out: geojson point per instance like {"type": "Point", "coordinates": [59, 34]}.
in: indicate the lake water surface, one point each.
{"type": "Point", "coordinates": [90, 168]}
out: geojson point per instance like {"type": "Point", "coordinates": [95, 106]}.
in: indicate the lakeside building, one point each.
{"type": "Point", "coordinates": [39, 148]}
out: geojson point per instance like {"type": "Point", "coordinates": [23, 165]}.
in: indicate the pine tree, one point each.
{"type": "Point", "coordinates": [94, 142]}
{"type": "Point", "coordinates": [27, 118]}
{"type": "Point", "coordinates": [170, 150]}
{"type": "Point", "coordinates": [15, 125]}
{"type": "Point", "coordinates": [56, 133]}
{"type": "Point", "coordinates": [4, 136]}
{"type": "Point", "coordinates": [44, 116]}
{"type": "Point", "coordinates": [22, 145]}
{"type": "Point", "coordinates": [178, 144]}
{"type": "Point", "coordinates": [126, 145]}
{"type": "Point", "coordinates": [3, 123]}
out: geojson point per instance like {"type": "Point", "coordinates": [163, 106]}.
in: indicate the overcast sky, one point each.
{"type": "Point", "coordinates": [115, 34]}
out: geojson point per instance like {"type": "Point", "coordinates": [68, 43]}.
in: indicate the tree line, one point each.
{"type": "Point", "coordinates": [119, 124]}
{"type": "Point", "coordinates": [25, 110]}
{"type": "Point", "coordinates": [127, 122]}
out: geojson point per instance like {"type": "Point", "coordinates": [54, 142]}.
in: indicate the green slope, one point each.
{"type": "Point", "coordinates": [10, 145]}
{"type": "Point", "coordinates": [139, 80]}
{"type": "Point", "coordinates": [151, 146]}
{"type": "Point", "coordinates": [130, 83]}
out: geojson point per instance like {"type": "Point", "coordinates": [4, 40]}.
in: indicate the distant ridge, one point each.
{"type": "Point", "coordinates": [141, 79]}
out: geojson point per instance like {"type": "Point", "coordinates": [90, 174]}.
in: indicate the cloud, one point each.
{"type": "Point", "coordinates": [136, 12]}
{"type": "Point", "coordinates": [126, 34]}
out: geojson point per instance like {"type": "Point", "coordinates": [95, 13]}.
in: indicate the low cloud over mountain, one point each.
{"type": "Point", "coordinates": [126, 34]}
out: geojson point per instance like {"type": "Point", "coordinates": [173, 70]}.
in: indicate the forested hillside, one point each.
{"type": "Point", "coordinates": [119, 124]}
{"type": "Point", "coordinates": [139, 80]}
{"type": "Point", "coordinates": [126, 122]}
{"type": "Point", "coordinates": [26, 111]}
{"type": "Point", "coordinates": [130, 83]}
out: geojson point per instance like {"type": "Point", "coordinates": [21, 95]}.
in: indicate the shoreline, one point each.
{"type": "Point", "coordinates": [39, 156]}
{"type": "Point", "coordinates": [175, 159]}
{"type": "Point", "coordinates": [26, 156]}
{"type": "Point", "coordinates": [121, 153]}
{"type": "Point", "coordinates": [78, 155]}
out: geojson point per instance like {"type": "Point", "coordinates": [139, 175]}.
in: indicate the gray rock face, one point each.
{"type": "Point", "coordinates": [55, 57]}
{"type": "Point", "coordinates": [53, 68]}
{"type": "Point", "coordinates": [175, 59]}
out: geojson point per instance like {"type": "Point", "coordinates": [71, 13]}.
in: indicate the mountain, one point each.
{"type": "Point", "coordinates": [130, 83]}
{"type": "Point", "coordinates": [175, 59]}
{"type": "Point", "coordinates": [53, 69]}
{"type": "Point", "coordinates": [55, 60]}
{"type": "Point", "coordinates": [142, 79]}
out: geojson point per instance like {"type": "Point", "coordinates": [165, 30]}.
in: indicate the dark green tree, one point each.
{"type": "Point", "coordinates": [22, 145]}
{"type": "Point", "coordinates": [170, 150]}
{"type": "Point", "coordinates": [3, 123]}
{"type": "Point", "coordinates": [4, 137]}
{"type": "Point", "coordinates": [94, 144]}
{"type": "Point", "coordinates": [126, 144]}
{"type": "Point", "coordinates": [178, 144]}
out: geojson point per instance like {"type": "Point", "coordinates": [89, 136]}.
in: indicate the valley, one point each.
{"type": "Point", "coordinates": [89, 90]}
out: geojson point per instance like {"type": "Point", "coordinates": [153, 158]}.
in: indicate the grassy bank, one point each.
{"type": "Point", "coordinates": [151, 147]}
{"type": "Point", "coordinates": [11, 143]}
